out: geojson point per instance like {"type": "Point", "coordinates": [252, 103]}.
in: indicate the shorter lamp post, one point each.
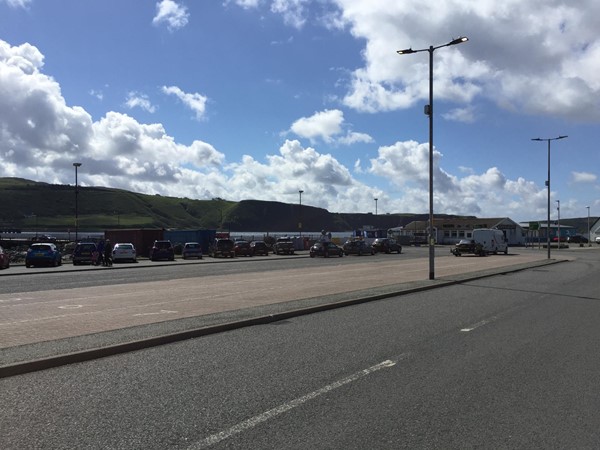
{"type": "Point", "coordinates": [558, 210]}
{"type": "Point", "coordinates": [76, 165]}
{"type": "Point", "coordinates": [300, 191]}
{"type": "Point", "coordinates": [548, 140]}
{"type": "Point", "coordinates": [589, 235]}
{"type": "Point", "coordinates": [375, 205]}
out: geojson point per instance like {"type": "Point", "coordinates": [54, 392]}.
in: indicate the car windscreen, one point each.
{"type": "Point", "coordinates": [41, 248]}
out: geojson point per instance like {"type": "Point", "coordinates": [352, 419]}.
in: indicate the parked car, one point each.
{"type": "Point", "coordinates": [598, 240]}
{"type": "Point", "coordinates": [162, 250]}
{"type": "Point", "coordinates": [43, 254]}
{"type": "Point", "coordinates": [222, 247]}
{"type": "Point", "coordinates": [191, 250]}
{"type": "Point", "coordinates": [467, 246]}
{"type": "Point", "coordinates": [386, 245]}
{"type": "Point", "coordinates": [562, 239]}
{"type": "Point", "coordinates": [242, 247]}
{"type": "Point", "coordinates": [259, 248]}
{"type": "Point", "coordinates": [4, 259]}
{"type": "Point", "coordinates": [317, 249]}
{"type": "Point", "coordinates": [283, 246]}
{"type": "Point", "coordinates": [577, 239]}
{"type": "Point", "coordinates": [124, 251]}
{"type": "Point", "coordinates": [357, 247]}
{"type": "Point", "coordinates": [86, 253]}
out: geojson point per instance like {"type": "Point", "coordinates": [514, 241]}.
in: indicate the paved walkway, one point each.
{"type": "Point", "coordinates": [36, 317]}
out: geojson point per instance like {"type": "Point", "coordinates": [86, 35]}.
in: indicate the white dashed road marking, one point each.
{"type": "Point", "coordinates": [285, 407]}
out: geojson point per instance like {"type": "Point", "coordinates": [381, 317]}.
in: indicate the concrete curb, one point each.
{"type": "Point", "coordinates": [25, 367]}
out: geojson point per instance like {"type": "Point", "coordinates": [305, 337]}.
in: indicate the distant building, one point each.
{"type": "Point", "coordinates": [450, 231]}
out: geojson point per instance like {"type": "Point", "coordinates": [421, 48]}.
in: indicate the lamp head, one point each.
{"type": "Point", "coordinates": [459, 40]}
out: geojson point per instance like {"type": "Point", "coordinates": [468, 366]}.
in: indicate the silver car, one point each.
{"type": "Point", "coordinates": [124, 252]}
{"type": "Point", "coordinates": [192, 250]}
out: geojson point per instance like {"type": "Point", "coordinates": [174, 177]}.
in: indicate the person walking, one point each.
{"type": "Point", "coordinates": [107, 253]}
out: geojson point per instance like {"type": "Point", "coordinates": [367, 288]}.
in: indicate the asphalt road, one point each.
{"type": "Point", "coordinates": [509, 361]}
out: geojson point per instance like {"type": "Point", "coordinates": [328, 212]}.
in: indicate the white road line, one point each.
{"type": "Point", "coordinates": [162, 311]}
{"type": "Point", "coordinates": [479, 324]}
{"type": "Point", "coordinates": [285, 407]}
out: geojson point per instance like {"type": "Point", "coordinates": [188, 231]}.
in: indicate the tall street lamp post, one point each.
{"type": "Point", "coordinates": [375, 205]}
{"type": "Point", "coordinates": [548, 186]}
{"type": "Point", "coordinates": [76, 165]}
{"type": "Point", "coordinates": [429, 112]}
{"type": "Point", "coordinates": [300, 191]}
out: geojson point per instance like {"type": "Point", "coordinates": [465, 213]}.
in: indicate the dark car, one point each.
{"type": "Point", "coordinates": [222, 247]}
{"type": "Point", "coordinates": [577, 239]}
{"type": "Point", "coordinates": [162, 250]}
{"type": "Point", "coordinates": [43, 254]}
{"type": "Point", "coordinates": [4, 259]}
{"type": "Point", "coordinates": [242, 247]}
{"type": "Point", "coordinates": [192, 250]}
{"type": "Point", "coordinates": [86, 253]}
{"type": "Point", "coordinates": [259, 248]}
{"type": "Point", "coordinates": [283, 246]}
{"type": "Point", "coordinates": [386, 245]}
{"type": "Point", "coordinates": [357, 247]}
{"type": "Point", "coordinates": [318, 249]}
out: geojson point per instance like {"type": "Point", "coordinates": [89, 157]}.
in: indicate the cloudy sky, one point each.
{"type": "Point", "coordinates": [258, 99]}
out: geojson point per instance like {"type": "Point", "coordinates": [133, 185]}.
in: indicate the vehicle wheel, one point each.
{"type": "Point", "coordinates": [312, 255]}
{"type": "Point", "coordinates": [27, 265]}
{"type": "Point", "coordinates": [341, 254]}
{"type": "Point", "coordinates": [506, 251]}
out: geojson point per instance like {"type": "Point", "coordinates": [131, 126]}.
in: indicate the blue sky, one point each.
{"type": "Point", "coordinates": [257, 99]}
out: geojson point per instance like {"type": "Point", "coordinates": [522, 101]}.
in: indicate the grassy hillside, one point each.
{"type": "Point", "coordinates": [30, 205]}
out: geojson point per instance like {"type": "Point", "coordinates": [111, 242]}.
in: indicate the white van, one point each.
{"type": "Point", "coordinates": [491, 240]}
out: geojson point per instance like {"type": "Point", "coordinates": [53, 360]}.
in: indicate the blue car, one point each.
{"type": "Point", "coordinates": [43, 254]}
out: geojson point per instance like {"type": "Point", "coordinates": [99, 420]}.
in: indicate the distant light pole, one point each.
{"type": "Point", "coordinates": [589, 235]}
{"type": "Point", "coordinates": [558, 209]}
{"type": "Point", "coordinates": [300, 212]}
{"type": "Point", "coordinates": [548, 185]}
{"type": "Point", "coordinates": [429, 112]}
{"type": "Point", "coordinates": [76, 165]}
{"type": "Point", "coordinates": [375, 205]}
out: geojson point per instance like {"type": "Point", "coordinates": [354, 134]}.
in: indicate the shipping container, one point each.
{"type": "Point", "coordinates": [180, 237]}
{"type": "Point", "coordinates": [142, 238]}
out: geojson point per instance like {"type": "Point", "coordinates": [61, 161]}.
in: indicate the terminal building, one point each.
{"type": "Point", "coordinates": [451, 230]}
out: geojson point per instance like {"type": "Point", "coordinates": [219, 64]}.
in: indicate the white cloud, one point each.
{"type": "Point", "coordinates": [323, 125]}
{"type": "Point", "coordinates": [583, 177]}
{"type": "Point", "coordinates": [196, 102]}
{"type": "Point", "coordinates": [465, 115]}
{"type": "Point", "coordinates": [136, 100]}
{"type": "Point", "coordinates": [18, 3]}
{"type": "Point", "coordinates": [546, 64]}
{"type": "Point", "coordinates": [328, 126]}
{"type": "Point", "coordinates": [171, 13]}
{"type": "Point", "coordinates": [294, 12]}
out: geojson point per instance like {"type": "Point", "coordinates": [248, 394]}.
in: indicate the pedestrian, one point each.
{"type": "Point", "coordinates": [107, 253]}
{"type": "Point", "coordinates": [325, 239]}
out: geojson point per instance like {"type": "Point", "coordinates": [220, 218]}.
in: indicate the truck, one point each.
{"type": "Point", "coordinates": [483, 242]}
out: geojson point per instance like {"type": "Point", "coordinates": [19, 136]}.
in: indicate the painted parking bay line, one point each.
{"type": "Point", "coordinates": [285, 407]}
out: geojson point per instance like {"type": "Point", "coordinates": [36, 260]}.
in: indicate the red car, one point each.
{"type": "Point", "coordinates": [4, 259]}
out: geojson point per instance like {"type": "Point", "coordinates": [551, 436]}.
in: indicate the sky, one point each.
{"type": "Point", "coordinates": [259, 99]}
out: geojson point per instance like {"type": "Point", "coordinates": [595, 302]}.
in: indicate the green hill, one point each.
{"type": "Point", "coordinates": [30, 205]}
